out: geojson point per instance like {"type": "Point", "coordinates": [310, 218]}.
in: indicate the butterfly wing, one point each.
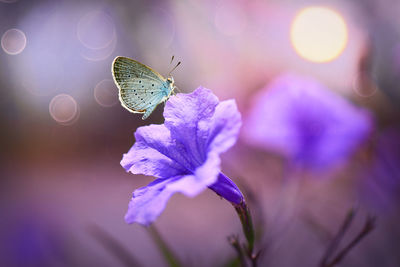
{"type": "Point", "coordinates": [124, 68]}
{"type": "Point", "coordinates": [141, 88]}
{"type": "Point", "coordinates": [141, 96]}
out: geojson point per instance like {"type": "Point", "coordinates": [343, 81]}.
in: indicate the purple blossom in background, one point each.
{"type": "Point", "coordinates": [183, 153]}
{"type": "Point", "coordinates": [306, 122]}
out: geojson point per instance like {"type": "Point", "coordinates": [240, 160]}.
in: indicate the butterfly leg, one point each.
{"type": "Point", "coordinates": [149, 110]}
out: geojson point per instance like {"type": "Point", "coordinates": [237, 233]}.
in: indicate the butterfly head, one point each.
{"type": "Point", "coordinates": [170, 80]}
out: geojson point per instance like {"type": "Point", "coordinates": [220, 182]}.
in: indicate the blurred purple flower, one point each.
{"type": "Point", "coordinates": [306, 122]}
{"type": "Point", "coordinates": [183, 153]}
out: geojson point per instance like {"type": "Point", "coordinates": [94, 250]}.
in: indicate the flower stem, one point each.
{"type": "Point", "coordinates": [368, 227]}
{"type": "Point", "coordinates": [338, 237]}
{"type": "Point", "coordinates": [227, 189]}
{"type": "Point", "coordinates": [164, 248]}
{"type": "Point", "coordinates": [247, 224]}
{"type": "Point", "coordinates": [234, 241]}
{"type": "Point", "coordinates": [113, 245]}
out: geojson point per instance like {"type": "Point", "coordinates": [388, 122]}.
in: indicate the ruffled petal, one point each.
{"type": "Point", "coordinates": [188, 185]}
{"type": "Point", "coordinates": [154, 154]}
{"type": "Point", "coordinates": [223, 127]}
{"type": "Point", "coordinates": [208, 172]}
{"type": "Point", "coordinates": [183, 113]}
{"type": "Point", "coordinates": [205, 175]}
{"type": "Point", "coordinates": [148, 202]}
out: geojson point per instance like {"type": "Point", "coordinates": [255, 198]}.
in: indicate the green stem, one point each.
{"type": "Point", "coordinates": [234, 241]}
{"type": "Point", "coordinates": [162, 245]}
{"type": "Point", "coordinates": [247, 224]}
{"type": "Point", "coordinates": [338, 237]}
{"type": "Point", "coordinates": [368, 227]}
{"type": "Point", "coordinates": [113, 245]}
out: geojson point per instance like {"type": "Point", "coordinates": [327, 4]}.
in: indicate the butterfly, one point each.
{"type": "Point", "coordinates": [141, 88]}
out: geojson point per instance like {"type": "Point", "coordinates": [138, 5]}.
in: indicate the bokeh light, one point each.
{"type": "Point", "coordinates": [364, 85]}
{"type": "Point", "coordinates": [318, 34]}
{"type": "Point", "coordinates": [99, 54]}
{"type": "Point", "coordinates": [97, 34]}
{"type": "Point", "coordinates": [50, 63]}
{"type": "Point", "coordinates": [64, 109]}
{"type": "Point", "coordinates": [13, 41]}
{"type": "Point", "coordinates": [96, 30]}
{"type": "Point", "coordinates": [105, 93]}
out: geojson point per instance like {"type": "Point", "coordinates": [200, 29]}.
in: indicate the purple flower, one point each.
{"type": "Point", "coordinates": [306, 122]}
{"type": "Point", "coordinates": [183, 153]}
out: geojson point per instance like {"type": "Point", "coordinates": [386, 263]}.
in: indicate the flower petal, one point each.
{"type": "Point", "coordinates": [183, 113]}
{"type": "Point", "coordinates": [208, 172]}
{"type": "Point", "coordinates": [306, 122]}
{"type": "Point", "coordinates": [148, 202]}
{"type": "Point", "coordinates": [188, 185]}
{"type": "Point", "coordinates": [223, 127]}
{"type": "Point", "coordinates": [205, 175]}
{"type": "Point", "coordinates": [154, 154]}
{"type": "Point", "coordinates": [227, 189]}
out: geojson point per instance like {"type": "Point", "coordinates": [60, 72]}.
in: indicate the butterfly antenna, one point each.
{"type": "Point", "coordinates": [172, 59]}
{"type": "Point", "coordinates": [174, 68]}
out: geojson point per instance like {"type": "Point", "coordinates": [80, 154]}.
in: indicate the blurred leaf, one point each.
{"type": "Point", "coordinates": [112, 245]}
{"type": "Point", "coordinates": [169, 256]}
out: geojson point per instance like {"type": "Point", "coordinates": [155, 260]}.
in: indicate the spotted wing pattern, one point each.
{"type": "Point", "coordinates": [141, 89]}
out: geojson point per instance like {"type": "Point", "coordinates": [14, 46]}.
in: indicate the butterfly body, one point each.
{"type": "Point", "coordinates": [141, 88]}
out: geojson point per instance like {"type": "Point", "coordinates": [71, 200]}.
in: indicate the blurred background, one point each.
{"type": "Point", "coordinates": [64, 132]}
